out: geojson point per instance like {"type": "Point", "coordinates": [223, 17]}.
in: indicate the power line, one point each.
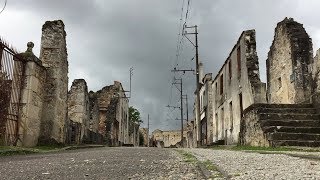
{"type": "Point", "coordinates": [5, 5]}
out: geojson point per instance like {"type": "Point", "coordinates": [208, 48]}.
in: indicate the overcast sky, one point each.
{"type": "Point", "coordinates": [107, 37]}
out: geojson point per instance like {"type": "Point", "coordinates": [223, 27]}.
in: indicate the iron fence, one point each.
{"type": "Point", "coordinates": [12, 69]}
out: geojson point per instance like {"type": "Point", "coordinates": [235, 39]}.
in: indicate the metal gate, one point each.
{"type": "Point", "coordinates": [12, 68]}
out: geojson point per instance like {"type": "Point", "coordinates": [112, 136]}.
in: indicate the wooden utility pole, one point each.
{"type": "Point", "coordinates": [148, 132]}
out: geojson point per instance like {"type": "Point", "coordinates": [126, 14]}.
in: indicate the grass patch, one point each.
{"type": "Point", "coordinates": [211, 170]}
{"type": "Point", "coordinates": [13, 150]}
{"type": "Point", "coordinates": [188, 157]}
{"type": "Point", "coordinates": [215, 172]}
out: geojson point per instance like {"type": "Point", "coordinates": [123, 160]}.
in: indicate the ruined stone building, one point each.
{"type": "Point", "coordinates": [36, 107]}
{"type": "Point", "coordinates": [113, 114]}
{"type": "Point", "coordinates": [170, 138]}
{"type": "Point", "coordinates": [143, 133]}
{"type": "Point", "coordinates": [291, 116]}
{"type": "Point", "coordinates": [78, 112]}
{"type": "Point", "coordinates": [236, 86]}
{"type": "Point", "coordinates": [247, 112]}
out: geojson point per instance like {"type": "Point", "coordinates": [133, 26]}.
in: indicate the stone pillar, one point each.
{"type": "Point", "coordinates": [53, 54]}
{"type": "Point", "coordinates": [289, 64]}
{"type": "Point", "coordinates": [316, 77]}
{"type": "Point", "coordinates": [78, 108]}
{"type": "Point", "coordinates": [32, 99]}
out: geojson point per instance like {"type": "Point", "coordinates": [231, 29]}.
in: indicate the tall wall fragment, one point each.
{"type": "Point", "coordinates": [78, 111]}
{"type": "Point", "coordinates": [32, 99]}
{"type": "Point", "coordinates": [289, 64]}
{"type": "Point", "coordinates": [53, 54]}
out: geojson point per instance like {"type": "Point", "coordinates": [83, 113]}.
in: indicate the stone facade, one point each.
{"type": "Point", "coordinates": [289, 64]}
{"type": "Point", "coordinates": [78, 111]}
{"type": "Point", "coordinates": [234, 88]}
{"type": "Point", "coordinates": [113, 114]}
{"type": "Point", "coordinates": [168, 138]}
{"type": "Point", "coordinates": [32, 100]}
{"type": "Point", "coordinates": [206, 110]}
{"type": "Point", "coordinates": [53, 54]}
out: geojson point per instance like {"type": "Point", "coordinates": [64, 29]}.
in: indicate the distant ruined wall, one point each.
{"type": "Point", "coordinates": [53, 54]}
{"type": "Point", "coordinates": [289, 64]}
{"type": "Point", "coordinates": [78, 108]}
{"type": "Point", "coordinates": [144, 133]}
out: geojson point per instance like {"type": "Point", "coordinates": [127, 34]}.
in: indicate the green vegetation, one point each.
{"type": "Point", "coordinates": [206, 165]}
{"type": "Point", "coordinates": [13, 150]}
{"type": "Point", "coordinates": [134, 119]}
{"type": "Point", "coordinates": [188, 157]}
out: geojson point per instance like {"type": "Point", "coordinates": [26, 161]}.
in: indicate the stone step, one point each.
{"type": "Point", "coordinates": [287, 110]}
{"type": "Point", "coordinates": [294, 123]}
{"type": "Point", "coordinates": [277, 116]}
{"type": "Point", "coordinates": [292, 129]}
{"type": "Point", "coordinates": [284, 105]}
{"type": "Point", "coordinates": [294, 136]}
{"type": "Point", "coordinates": [295, 143]}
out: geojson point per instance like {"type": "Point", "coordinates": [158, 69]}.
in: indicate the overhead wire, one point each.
{"type": "Point", "coordinates": [4, 7]}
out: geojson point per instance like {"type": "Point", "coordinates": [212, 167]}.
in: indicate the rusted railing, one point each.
{"type": "Point", "coordinates": [12, 69]}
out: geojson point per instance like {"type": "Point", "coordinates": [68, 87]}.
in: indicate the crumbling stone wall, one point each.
{"type": "Point", "coordinates": [78, 109]}
{"type": "Point", "coordinates": [32, 99]}
{"type": "Point", "coordinates": [289, 64]}
{"type": "Point", "coordinates": [53, 54]}
{"type": "Point", "coordinates": [144, 133]}
{"type": "Point", "coordinates": [251, 132]}
{"type": "Point", "coordinates": [236, 87]}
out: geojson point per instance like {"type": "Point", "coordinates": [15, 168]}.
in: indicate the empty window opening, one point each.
{"type": "Point", "coordinates": [239, 61]}
{"type": "Point", "coordinates": [279, 83]}
{"type": "Point", "coordinates": [221, 84]}
{"type": "Point", "coordinates": [230, 70]}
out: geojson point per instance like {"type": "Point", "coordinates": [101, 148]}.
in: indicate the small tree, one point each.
{"type": "Point", "coordinates": [134, 118]}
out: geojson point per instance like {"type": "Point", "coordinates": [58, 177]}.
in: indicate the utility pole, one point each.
{"type": "Point", "coordinates": [148, 131]}
{"type": "Point", "coordinates": [131, 74]}
{"type": "Point", "coordinates": [197, 77]}
{"type": "Point", "coordinates": [181, 107]}
{"type": "Point", "coordinates": [186, 96]}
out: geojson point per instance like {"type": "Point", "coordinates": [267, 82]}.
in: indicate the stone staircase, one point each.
{"type": "Point", "coordinates": [290, 124]}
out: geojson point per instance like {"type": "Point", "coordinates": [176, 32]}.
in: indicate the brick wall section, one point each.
{"type": "Point", "coordinates": [53, 54]}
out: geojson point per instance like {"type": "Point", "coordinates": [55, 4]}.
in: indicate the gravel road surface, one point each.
{"type": "Point", "coordinates": [100, 163]}
{"type": "Point", "coordinates": [252, 165]}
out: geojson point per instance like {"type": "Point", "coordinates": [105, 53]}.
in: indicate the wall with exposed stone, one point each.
{"type": "Point", "coordinates": [251, 133]}
{"type": "Point", "coordinates": [236, 87]}
{"type": "Point", "coordinates": [289, 64]}
{"type": "Point", "coordinates": [113, 114]}
{"type": "Point", "coordinates": [32, 99]}
{"type": "Point", "coordinates": [168, 138]}
{"type": "Point", "coordinates": [78, 110]}
{"type": "Point", "coordinates": [53, 54]}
